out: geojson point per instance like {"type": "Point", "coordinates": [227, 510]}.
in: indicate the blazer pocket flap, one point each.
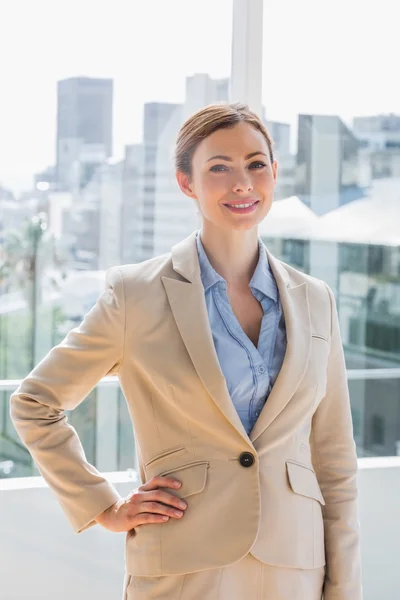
{"type": "Point", "coordinates": [193, 477]}
{"type": "Point", "coordinates": [304, 481]}
{"type": "Point", "coordinates": [165, 455]}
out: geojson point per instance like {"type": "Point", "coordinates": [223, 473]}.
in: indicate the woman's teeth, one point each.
{"type": "Point", "coordinates": [241, 205]}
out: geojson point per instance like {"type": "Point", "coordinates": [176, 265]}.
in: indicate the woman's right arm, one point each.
{"type": "Point", "coordinates": [61, 381]}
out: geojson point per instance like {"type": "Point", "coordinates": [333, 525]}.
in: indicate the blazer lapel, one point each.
{"type": "Point", "coordinates": [189, 308]}
{"type": "Point", "coordinates": [295, 306]}
{"type": "Point", "coordinates": [187, 302]}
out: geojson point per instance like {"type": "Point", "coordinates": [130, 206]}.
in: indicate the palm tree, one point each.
{"type": "Point", "coordinates": [26, 252]}
{"type": "Point", "coordinates": [22, 257]}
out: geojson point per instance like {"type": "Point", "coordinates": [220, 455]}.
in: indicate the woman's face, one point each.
{"type": "Point", "coordinates": [223, 172]}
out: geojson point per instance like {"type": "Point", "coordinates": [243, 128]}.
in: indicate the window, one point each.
{"type": "Point", "coordinates": [378, 430]}
{"type": "Point", "coordinates": [343, 140]}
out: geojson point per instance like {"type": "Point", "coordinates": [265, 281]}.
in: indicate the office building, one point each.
{"type": "Point", "coordinates": [84, 129]}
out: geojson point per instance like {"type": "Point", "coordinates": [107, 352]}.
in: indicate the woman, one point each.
{"type": "Point", "coordinates": [232, 366]}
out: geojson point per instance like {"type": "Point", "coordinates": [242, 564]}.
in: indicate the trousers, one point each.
{"type": "Point", "coordinates": [247, 579]}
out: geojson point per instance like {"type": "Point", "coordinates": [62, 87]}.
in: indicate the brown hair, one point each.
{"type": "Point", "coordinates": [209, 119]}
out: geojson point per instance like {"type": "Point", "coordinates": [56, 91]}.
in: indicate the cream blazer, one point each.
{"type": "Point", "coordinates": [294, 506]}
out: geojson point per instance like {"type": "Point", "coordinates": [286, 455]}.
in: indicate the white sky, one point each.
{"type": "Point", "coordinates": [319, 57]}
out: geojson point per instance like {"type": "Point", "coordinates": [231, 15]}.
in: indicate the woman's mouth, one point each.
{"type": "Point", "coordinates": [245, 207]}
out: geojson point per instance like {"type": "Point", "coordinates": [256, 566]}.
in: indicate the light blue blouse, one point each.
{"type": "Point", "coordinates": [250, 372]}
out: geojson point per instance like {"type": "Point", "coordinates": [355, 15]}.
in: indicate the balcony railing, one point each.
{"type": "Point", "coordinates": [104, 425]}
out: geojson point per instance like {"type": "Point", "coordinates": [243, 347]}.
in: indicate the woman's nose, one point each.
{"type": "Point", "coordinates": [243, 185]}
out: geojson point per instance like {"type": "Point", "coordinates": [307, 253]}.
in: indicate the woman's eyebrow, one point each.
{"type": "Point", "coordinates": [229, 158]}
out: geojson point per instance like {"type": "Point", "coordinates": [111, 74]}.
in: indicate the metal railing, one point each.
{"type": "Point", "coordinates": [105, 428]}
{"type": "Point", "coordinates": [392, 373]}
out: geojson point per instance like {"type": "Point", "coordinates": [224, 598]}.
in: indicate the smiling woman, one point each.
{"type": "Point", "coordinates": [239, 185]}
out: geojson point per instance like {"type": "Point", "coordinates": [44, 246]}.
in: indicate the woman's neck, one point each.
{"type": "Point", "coordinates": [233, 254]}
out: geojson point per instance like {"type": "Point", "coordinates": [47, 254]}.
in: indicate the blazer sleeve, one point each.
{"type": "Point", "coordinates": [335, 462]}
{"type": "Point", "coordinates": [61, 381]}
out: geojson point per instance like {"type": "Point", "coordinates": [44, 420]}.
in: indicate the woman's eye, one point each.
{"type": "Point", "coordinates": [216, 168]}
{"type": "Point", "coordinates": [259, 163]}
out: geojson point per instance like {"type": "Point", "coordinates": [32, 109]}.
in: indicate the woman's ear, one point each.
{"type": "Point", "coordinates": [185, 184]}
{"type": "Point", "coordinates": [275, 169]}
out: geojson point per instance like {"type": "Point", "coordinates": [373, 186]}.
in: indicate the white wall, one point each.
{"type": "Point", "coordinates": [42, 558]}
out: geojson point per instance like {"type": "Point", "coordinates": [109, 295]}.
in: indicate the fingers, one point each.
{"type": "Point", "coordinates": [151, 504]}
{"type": "Point", "coordinates": [147, 518]}
{"type": "Point", "coordinates": [158, 481]}
{"type": "Point", "coordinates": [164, 497]}
{"type": "Point", "coordinates": [153, 492]}
{"type": "Point", "coordinates": [151, 511]}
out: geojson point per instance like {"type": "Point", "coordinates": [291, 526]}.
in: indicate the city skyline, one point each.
{"type": "Point", "coordinates": [352, 79]}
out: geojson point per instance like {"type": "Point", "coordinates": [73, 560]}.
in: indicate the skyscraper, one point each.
{"type": "Point", "coordinates": [327, 163]}
{"type": "Point", "coordinates": [84, 128]}
{"type": "Point", "coordinates": [157, 116]}
{"type": "Point", "coordinates": [379, 137]}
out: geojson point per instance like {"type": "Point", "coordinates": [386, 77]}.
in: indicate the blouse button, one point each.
{"type": "Point", "coordinates": [261, 369]}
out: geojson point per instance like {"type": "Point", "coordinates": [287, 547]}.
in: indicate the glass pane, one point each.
{"type": "Point", "coordinates": [329, 100]}
{"type": "Point", "coordinates": [375, 405]}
